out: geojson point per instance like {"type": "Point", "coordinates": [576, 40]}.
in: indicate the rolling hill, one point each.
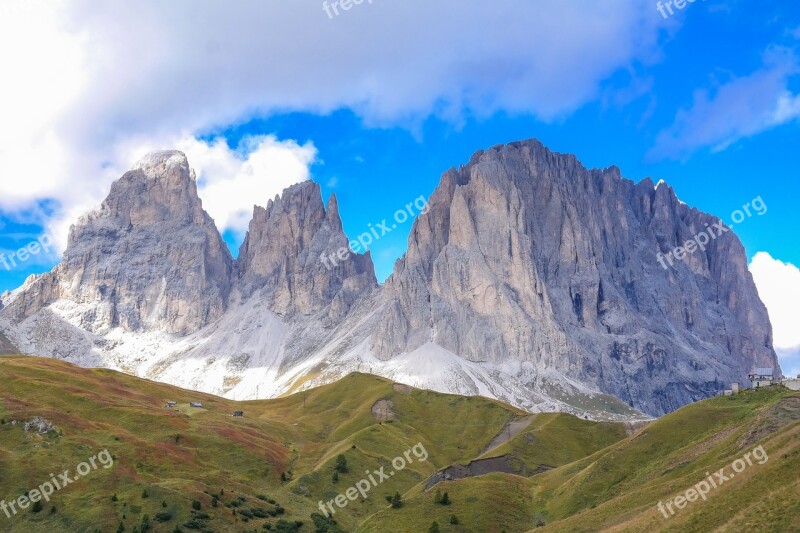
{"type": "Point", "coordinates": [203, 469]}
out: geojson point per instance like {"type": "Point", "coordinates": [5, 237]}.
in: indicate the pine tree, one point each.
{"type": "Point", "coordinates": [397, 501]}
{"type": "Point", "coordinates": [434, 528]}
{"type": "Point", "coordinates": [335, 477]}
{"type": "Point", "coordinates": [445, 499]}
{"type": "Point", "coordinates": [341, 464]}
{"type": "Point", "coordinates": [453, 519]}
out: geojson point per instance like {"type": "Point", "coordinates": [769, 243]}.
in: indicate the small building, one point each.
{"type": "Point", "coordinates": [238, 413]}
{"type": "Point", "coordinates": [170, 404]}
{"type": "Point", "coordinates": [727, 392]}
{"type": "Point", "coordinates": [196, 404]}
{"type": "Point", "coordinates": [735, 388]}
{"type": "Point", "coordinates": [762, 377]}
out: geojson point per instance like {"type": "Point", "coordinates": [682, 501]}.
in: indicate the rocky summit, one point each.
{"type": "Point", "coordinates": [529, 278]}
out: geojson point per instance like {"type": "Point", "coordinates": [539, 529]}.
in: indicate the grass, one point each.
{"type": "Point", "coordinates": [604, 478]}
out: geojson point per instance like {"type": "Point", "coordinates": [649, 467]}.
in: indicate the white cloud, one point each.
{"type": "Point", "coordinates": [84, 82]}
{"type": "Point", "coordinates": [778, 286]}
{"type": "Point", "coordinates": [740, 108]}
{"type": "Point", "coordinates": [230, 183]}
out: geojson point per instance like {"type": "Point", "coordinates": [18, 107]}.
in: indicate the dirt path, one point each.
{"type": "Point", "coordinates": [511, 430]}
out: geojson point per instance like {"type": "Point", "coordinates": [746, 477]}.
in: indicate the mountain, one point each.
{"type": "Point", "coordinates": [528, 278]}
{"type": "Point", "coordinates": [514, 471]}
{"type": "Point", "coordinates": [526, 257]}
{"type": "Point", "coordinates": [6, 347]}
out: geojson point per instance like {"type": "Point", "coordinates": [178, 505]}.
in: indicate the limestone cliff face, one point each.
{"type": "Point", "coordinates": [525, 255]}
{"type": "Point", "coordinates": [290, 254]}
{"type": "Point", "coordinates": [149, 259]}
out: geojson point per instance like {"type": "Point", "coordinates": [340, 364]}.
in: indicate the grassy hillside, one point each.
{"type": "Point", "coordinates": [268, 470]}
{"type": "Point", "coordinates": [619, 487]}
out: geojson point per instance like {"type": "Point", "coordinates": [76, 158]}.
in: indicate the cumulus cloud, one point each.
{"type": "Point", "coordinates": [740, 108]}
{"type": "Point", "coordinates": [778, 286]}
{"type": "Point", "coordinates": [85, 82]}
{"type": "Point", "coordinates": [230, 182]}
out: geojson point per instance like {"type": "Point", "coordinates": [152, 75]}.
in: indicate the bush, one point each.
{"type": "Point", "coordinates": [163, 517]}
{"type": "Point", "coordinates": [194, 524]}
{"type": "Point", "coordinates": [259, 512]}
{"type": "Point", "coordinates": [114, 498]}
{"type": "Point", "coordinates": [37, 507]}
{"type": "Point", "coordinates": [341, 464]}
{"type": "Point", "coordinates": [453, 519]}
{"type": "Point", "coordinates": [196, 505]}
{"type": "Point", "coordinates": [434, 528]}
{"type": "Point", "coordinates": [397, 501]}
{"type": "Point", "coordinates": [284, 526]}
{"type": "Point", "coordinates": [145, 495]}
{"type": "Point", "coordinates": [325, 524]}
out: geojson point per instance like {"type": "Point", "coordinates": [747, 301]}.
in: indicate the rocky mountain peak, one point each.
{"type": "Point", "coordinates": [527, 256]}
{"type": "Point", "coordinates": [287, 254]}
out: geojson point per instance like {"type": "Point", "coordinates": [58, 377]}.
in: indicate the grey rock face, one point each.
{"type": "Point", "coordinates": [6, 347]}
{"type": "Point", "coordinates": [290, 254]}
{"type": "Point", "coordinates": [525, 255]}
{"type": "Point", "coordinates": [149, 259]}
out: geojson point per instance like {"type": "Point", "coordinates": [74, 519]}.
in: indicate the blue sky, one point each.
{"type": "Point", "coordinates": [386, 97]}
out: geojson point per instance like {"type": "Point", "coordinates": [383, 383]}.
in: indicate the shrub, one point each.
{"type": "Point", "coordinates": [341, 464]}
{"type": "Point", "coordinates": [453, 519]}
{"type": "Point", "coordinates": [37, 507]}
{"type": "Point", "coordinates": [259, 512]}
{"type": "Point", "coordinates": [397, 501]}
{"type": "Point", "coordinates": [434, 528]}
{"type": "Point", "coordinates": [196, 505]}
{"type": "Point", "coordinates": [163, 517]}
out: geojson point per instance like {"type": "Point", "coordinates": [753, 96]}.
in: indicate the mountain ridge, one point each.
{"type": "Point", "coordinates": [528, 278]}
